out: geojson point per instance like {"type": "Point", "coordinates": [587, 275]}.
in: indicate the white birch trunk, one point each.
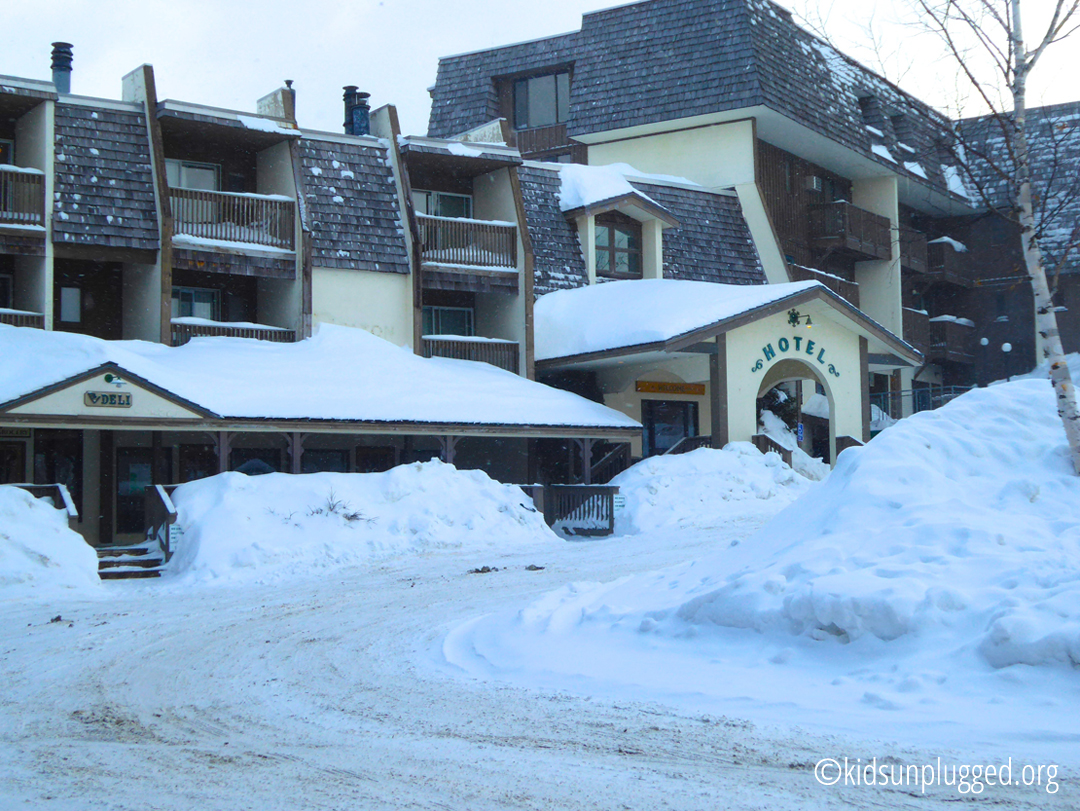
{"type": "Point", "coordinates": [1045, 319]}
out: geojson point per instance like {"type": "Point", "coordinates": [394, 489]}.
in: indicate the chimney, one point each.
{"type": "Point", "coordinates": [61, 66]}
{"type": "Point", "coordinates": [357, 111]}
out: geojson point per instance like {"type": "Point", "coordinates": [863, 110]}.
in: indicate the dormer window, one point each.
{"type": "Point", "coordinates": [618, 246]}
{"type": "Point", "coordinates": [442, 204]}
{"type": "Point", "coordinates": [541, 101]}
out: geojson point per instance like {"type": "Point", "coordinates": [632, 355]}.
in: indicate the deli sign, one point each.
{"type": "Point", "coordinates": [107, 399]}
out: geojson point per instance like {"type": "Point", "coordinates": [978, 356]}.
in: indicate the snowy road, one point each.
{"type": "Point", "coordinates": [331, 694]}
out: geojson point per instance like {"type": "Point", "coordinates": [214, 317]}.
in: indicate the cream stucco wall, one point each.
{"type": "Point", "coordinates": [380, 303]}
{"type": "Point", "coordinates": [69, 402]}
{"type": "Point", "coordinates": [34, 135]}
{"type": "Point", "coordinates": [833, 360]}
{"type": "Point", "coordinates": [716, 156]}
{"type": "Point", "coordinates": [879, 280]}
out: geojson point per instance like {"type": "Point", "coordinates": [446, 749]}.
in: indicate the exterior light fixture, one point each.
{"type": "Point", "coordinates": [794, 317]}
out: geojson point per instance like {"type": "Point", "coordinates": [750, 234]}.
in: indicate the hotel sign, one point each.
{"type": "Point", "coordinates": [107, 399]}
{"type": "Point", "coordinates": [656, 387]}
{"type": "Point", "coordinates": [799, 346]}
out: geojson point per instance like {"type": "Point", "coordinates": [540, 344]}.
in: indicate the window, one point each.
{"type": "Point", "coordinates": [442, 204]}
{"type": "Point", "coordinates": [188, 302]}
{"type": "Point", "coordinates": [191, 175]}
{"type": "Point", "coordinates": [6, 292]}
{"type": "Point", "coordinates": [320, 461]}
{"type": "Point", "coordinates": [618, 246]}
{"type": "Point", "coordinates": [7, 152]}
{"type": "Point", "coordinates": [541, 101]}
{"type": "Point", "coordinates": [70, 305]}
{"type": "Point", "coordinates": [666, 422]}
{"type": "Point", "coordinates": [448, 321]}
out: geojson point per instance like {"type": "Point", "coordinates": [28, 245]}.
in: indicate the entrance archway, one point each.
{"type": "Point", "coordinates": [790, 370]}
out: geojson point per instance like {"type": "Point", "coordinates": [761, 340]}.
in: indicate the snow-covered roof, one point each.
{"type": "Point", "coordinates": [644, 314]}
{"type": "Point", "coordinates": [339, 374]}
{"type": "Point", "coordinates": [631, 313]}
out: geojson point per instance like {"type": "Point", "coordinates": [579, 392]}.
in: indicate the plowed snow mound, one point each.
{"type": "Point", "coordinates": [703, 488]}
{"type": "Point", "coordinates": [259, 528]}
{"type": "Point", "coordinates": [39, 555]}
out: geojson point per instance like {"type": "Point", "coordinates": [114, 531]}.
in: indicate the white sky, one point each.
{"type": "Point", "coordinates": [228, 53]}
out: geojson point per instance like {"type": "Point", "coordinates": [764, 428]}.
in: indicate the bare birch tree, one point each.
{"type": "Point", "coordinates": [986, 40]}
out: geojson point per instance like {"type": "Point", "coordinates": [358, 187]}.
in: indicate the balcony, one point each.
{"type": "Point", "coordinates": [842, 287]}
{"type": "Point", "coordinates": [22, 197]}
{"type": "Point", "coordinates": [468, 243]}
{"type": "Point", "coordinates": [21, 318]}
{"type": "Point", "coordinates": [947, 265]}
{"type": "Point", "coordinates": [267, 221]}
{"type": "Point", "coordinates": [184, 329]}
{"type": "Point", "coordinates": [503, 354]}
{"type": "Point", "coordinates": [951, 340]}
{"type": "Point", "coordinates": [917, 330]}
{"type": "Point", "coordinates": [850, 231]}
{"type": "Point", "coordinates": [542, 141]}
{"type": "Point", "coordinates": [913, 250]}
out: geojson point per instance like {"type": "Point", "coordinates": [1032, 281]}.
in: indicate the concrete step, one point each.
{"type": "Point", "coordinates": [128, 574]}
{"type": "Point", "coordinates": [146, 562]}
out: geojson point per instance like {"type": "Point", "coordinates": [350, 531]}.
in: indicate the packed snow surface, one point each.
{"type": "Point", "coordinates": [339, 373]}
{"type": "Point", "coordinates": [237, 528]}
{"type": "Point", "coordinates": [932, 583]}
{"type": "Point", "coordinates": [699, 489]}
{"type": "Point", "coordinates": [592, 319]}
{"type": "Point", "coordinates": [40, 557]}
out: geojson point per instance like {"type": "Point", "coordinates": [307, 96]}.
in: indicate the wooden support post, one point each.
{"type": "Point", "coordinates": [296, 450]}
{"type": "Point", "coordinates": [106, 487]}
{"type": "Point", "coordinates": [447, 448]}
{"type": "Point", "coordinates": [586, 447]}
{"type": "Point", "coordinates": [223, 442]}
{"type": "Point", "coordinates": [718, 394]}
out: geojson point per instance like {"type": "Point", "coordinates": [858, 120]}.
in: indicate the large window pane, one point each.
{"type": "Point", "coordinates": [542, 106]}
{"type": "Point", "coordinates": [521, 104]}
{"type": "Point", "coordinates": [563, 80]}
{"type": "Point", "coordinates": [71, 305]}
{"type": "Point", "coordinates": [200, 177]}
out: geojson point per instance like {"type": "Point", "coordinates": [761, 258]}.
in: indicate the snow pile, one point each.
{"type": "Point", "coordinates": [587, 185]}
{"type": "Point", "coordinates": [262, 528]}
{"type": "Point", "coordinates": [704, 488]}
{"type": "Point", "coordinates": [39, 555]}
{"type": "Point", "coordinates": [803, 463]}
{"type": "Point", "coordinates": [958, 527]}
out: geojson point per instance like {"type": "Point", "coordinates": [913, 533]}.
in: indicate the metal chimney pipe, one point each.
{"type": "Point", "coordinates": [357, 111]}
{"type": "Point", "coordinates": [350, 102]}
{"type": "Point", "coordinates": [61, 66]}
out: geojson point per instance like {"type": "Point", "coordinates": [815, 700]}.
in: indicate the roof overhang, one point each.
{"type": "Point", "coordinates": [887, 350]}
{"type": "Point", "coordinates": [458, 159]}
{"type": "Point", "coordinates": [633, 204]}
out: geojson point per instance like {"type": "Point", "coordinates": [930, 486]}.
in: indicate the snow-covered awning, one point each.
{"type": "Point", "coordinates": [340, 379]}
{"type": "Point", "coordinates": [645, 316]}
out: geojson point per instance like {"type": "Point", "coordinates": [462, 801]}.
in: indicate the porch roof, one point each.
{"type": "Point", "coordinates": [341, 379]}
{"type": "Point", "coordinates": [653, 317]}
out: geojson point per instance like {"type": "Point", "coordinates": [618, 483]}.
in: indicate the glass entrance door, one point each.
{"type": "Point", "coordinates": [666, 422]}
{"type": "Point", "coordinates": [12, 462]}
{"type": "Point", "coordinates": [134, 473]}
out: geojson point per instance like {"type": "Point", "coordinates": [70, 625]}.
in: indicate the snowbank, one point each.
{"type": "Point", "coordinates": [39, 555]}
{"type": "Point", "coordinates": [803, 463]}
{"type": "Point", "coordinates": [703, 488]}
{"type": "Point", "coordinates": [961, 524]}
{"type": "Point", "coordinates": [928, 590]}
{"type": "Point", "coordinates": [261, 528]}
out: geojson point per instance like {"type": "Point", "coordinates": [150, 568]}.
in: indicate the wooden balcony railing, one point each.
{"type": "Point", "coordinates": [847, 229]}
{"type": "Point", "coordinates": [842, 287]}
{"type": "Point", "coordinates": [542, 141]}
{"type": "Point", "coordinates": [913, 250]}
{"type": "Point", "coordinates": [952, 341]}
{"type": "Point", "coordinates": [947, 265]}
{"type": "Point", "coordinates": [765, 443]}
{"type": "Point", "coordinates": [476, 243]}
{"type": "Point", "coordinates": [18, 318]}
{"type": "Point", "coordinates": [581, 509]}
{"type": "Point", "coordinates": [254, 219]}
{"type": "Point", "coordinates": [503, 354]}
{"type": "Point", "coordinates": [917, 330]}
{"type": "Point", "coordinates": [22, 197]}
{"type": "Point", "coordinates": [182, 332]}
